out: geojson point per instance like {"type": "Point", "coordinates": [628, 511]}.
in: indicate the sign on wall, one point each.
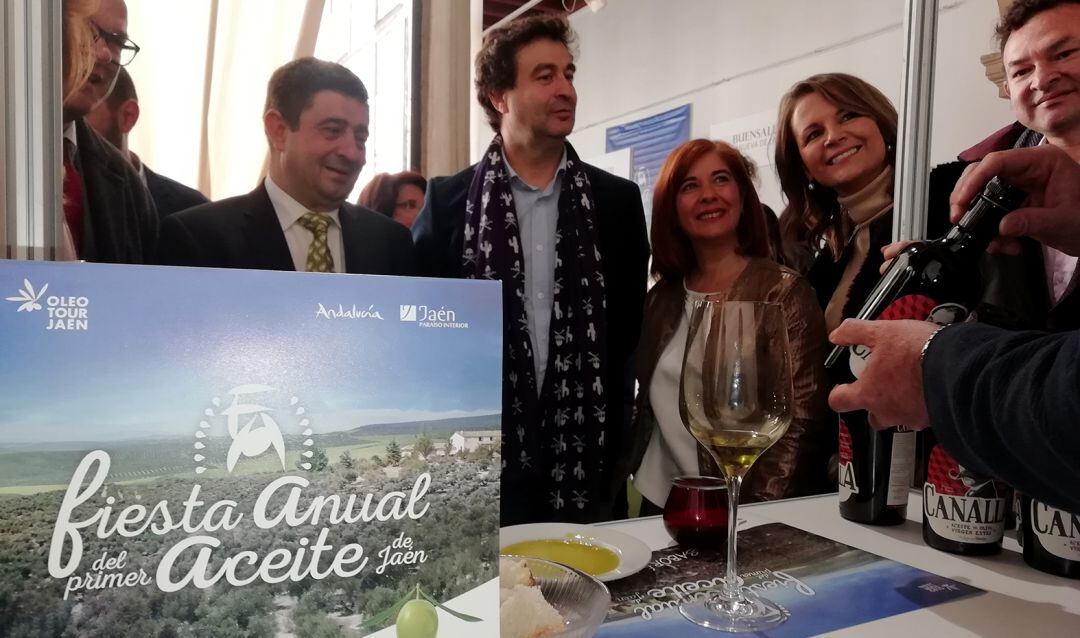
{"type": "Point", "coordinates": [651, 140]}
{"type": "Point", "coordinates": [754, 136]}
{"type": "Point", "coordinates": [197, 452]}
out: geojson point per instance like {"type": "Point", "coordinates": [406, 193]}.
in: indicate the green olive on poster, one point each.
{"type": "Point", "coordinates": [417, 619]}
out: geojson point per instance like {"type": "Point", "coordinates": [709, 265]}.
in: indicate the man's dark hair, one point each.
{"type": "Point", "coordinates": [496, 63]}
{"type": "Point", "coordinates": [293, 86]}
{"type": "Point", "coordinates": [123, 90]}
{"type": "Point", "coordinates": [1019, 13]}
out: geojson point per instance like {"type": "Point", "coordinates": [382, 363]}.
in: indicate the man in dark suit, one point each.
{"type": "Point", "coordinates": [108, 213]}
{"type": "Point", "coordinates": [568, 242]}
{"type": "Point", "coordinates": [316, 121]}
{"type": "Point", "coordinates": [113, 119]}
{"type": "Point", "coordinates": [1038, 286]}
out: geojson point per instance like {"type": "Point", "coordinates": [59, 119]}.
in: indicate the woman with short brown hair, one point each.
{"type": "Point", "coordinates": [709, 238]}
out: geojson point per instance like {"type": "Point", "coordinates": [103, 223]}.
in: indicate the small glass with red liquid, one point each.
{"type": "Point", "coordinates": [696, 512]}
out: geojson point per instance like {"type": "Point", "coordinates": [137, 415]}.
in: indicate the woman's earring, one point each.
{"type": "Point", "coordinates": [811, 186]}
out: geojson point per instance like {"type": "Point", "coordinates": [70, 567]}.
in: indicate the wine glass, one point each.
{"type": "Point", "coordinates": [735, 398]}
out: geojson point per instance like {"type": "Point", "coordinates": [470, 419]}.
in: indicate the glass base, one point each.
{"type": "Point", "coordinates": [753, 613]}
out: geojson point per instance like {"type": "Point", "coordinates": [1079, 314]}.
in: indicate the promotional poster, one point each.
{"type": "Point", "coordinates": [200, 452]}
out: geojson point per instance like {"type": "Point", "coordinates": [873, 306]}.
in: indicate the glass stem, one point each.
{"type": "Point", "coordinates": [732, 584]}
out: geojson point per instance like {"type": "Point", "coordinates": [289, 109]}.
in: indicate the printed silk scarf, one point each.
{"type": "Point", "coordinates": [553, 441]}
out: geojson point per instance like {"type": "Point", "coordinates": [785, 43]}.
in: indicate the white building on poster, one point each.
{"type": "Point", "coordinates": [470, 440]}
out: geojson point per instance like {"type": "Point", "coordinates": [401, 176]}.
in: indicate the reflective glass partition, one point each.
{"type": "Point", "coordinates": [29, 135]}
{"type": "Point", "coordinates": [700, 68]}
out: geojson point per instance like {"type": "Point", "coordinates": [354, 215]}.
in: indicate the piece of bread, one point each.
{"type": "Point", "coordinates": [524, 613]}
{"type": "Point", "coordinates": [514, 572]}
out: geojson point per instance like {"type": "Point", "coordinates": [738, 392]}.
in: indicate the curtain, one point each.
{"type": "Point", "coordinates": [201, 78]}
{"type": "Point", "coordinates": [446, 86]}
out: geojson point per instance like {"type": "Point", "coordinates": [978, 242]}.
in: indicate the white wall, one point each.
{"type": "Point", "coordinates": [966, 105]}
{"type": "Point", "coordinates": [733, 58]}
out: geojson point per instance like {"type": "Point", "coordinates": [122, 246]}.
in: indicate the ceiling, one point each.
{"type": "Point", "coordinates": [495, 10]}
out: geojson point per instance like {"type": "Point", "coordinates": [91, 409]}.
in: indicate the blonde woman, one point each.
{"type": "Point", "coordinates": [79, 38]}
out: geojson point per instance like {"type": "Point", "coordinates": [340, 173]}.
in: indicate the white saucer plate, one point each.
{"type": "Point", "coordinates": [633, 554]}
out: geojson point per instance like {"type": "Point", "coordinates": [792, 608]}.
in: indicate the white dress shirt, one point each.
{"type": "Point", "coordinates": [538, 218]}
{"type": "Point", "coordinates": [1059, 272]}
{"type": "Point", "coordinates": [289, 211]}
{"type": "Point", "coordinates": [1059, 267]}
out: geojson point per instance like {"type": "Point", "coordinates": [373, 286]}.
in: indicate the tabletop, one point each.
{"type": "Point", "coordinates": [1020, 600]}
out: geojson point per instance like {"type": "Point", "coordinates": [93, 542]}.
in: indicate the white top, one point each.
{"type": "Point", "coordinates": [672, 449]}
{"type": "Point", "coordinates": [289, 211]}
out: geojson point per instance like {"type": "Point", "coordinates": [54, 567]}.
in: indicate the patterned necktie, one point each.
{"type": "Point", "coordinates": [318, 255]}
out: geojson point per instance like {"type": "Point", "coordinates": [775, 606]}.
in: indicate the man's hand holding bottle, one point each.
{"type": "Point", "coordinates": [1051, 214]}
{"type": "Point", "coordinates": [890, 388]}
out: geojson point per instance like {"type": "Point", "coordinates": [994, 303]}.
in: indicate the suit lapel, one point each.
{"type": "Point", "coordinates": [359, 258]}
{"type": "Point", "coordinates": [103, 188]}
{"type": "Point", "coordinates": [264, 237]}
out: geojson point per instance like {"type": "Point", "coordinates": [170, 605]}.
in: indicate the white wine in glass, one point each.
{"type": "Point", "coordinates": [735, 398]}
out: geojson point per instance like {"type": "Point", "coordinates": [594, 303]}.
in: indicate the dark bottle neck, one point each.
{"type": "Point", "coordinates": [965, 246]}
{"type": "Point", "coordinates": [979, 225]}
{"type": "Point", "coordinates": [965, 242]}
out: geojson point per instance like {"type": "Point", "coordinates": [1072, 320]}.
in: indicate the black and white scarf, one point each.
{"type": "Point", "coordinates": [553, 440]}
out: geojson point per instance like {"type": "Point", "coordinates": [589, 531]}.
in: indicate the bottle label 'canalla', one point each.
{"type": "Point", "coordinates": [1058, 531]}
{"type": "Point", "coordinates": [960, 506]}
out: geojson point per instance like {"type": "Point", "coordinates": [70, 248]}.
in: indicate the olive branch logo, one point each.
{"type": "Point", "coordinates": [252, 428]}
{"type": "Point", "coordinates": [29, 298]}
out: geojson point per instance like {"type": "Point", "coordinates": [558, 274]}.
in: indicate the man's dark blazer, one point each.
{"type": "Point", "coordinates": [120, 223]}
{"type": "Point", "coordinates": [170, 196]}
{"type": "Point", "coordinates": [624, 251]}
{"type": "Point", "coordinates": [244, 232]}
